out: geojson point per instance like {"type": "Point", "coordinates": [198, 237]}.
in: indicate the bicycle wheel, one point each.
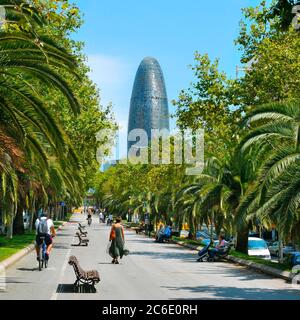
{"type": "Point", "coordinates": [44, 259]}
{"type": "Point", "coordinates": [40, 262]}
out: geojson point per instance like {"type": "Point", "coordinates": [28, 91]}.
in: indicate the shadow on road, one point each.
{"type": "Point", "coordinates": [230, 293]}
{"type": "Point", "coordinates": [15, 280]}
{"type": "Point", "coordinates": [64, 235]}
{"type": "Point", "coordinates": [28, 269]}
{"type": "Point", "coordinates": [61, 247]}
{"type": "Point", "coordinates": [186, 257]}
{"type": "Point", "coordinates": [70, 288]}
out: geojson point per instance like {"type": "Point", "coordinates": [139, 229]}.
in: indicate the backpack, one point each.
{"type": "Point", "coordinates": [43, 226]}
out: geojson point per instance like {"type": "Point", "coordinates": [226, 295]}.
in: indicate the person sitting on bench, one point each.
{"type": "Point", "coordinates": [164, 234]}
{"type": "Point", "coordinates": [219, 247]}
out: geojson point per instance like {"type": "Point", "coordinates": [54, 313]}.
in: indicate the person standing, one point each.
{"type": "Point", "coordinates": [117, 239]}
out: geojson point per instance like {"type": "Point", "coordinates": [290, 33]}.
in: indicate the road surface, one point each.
{"type": "Point", "coordinates": [151, 271]}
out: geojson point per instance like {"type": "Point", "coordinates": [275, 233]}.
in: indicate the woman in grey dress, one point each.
{"type": "Point", "coordinates": [117, 239]}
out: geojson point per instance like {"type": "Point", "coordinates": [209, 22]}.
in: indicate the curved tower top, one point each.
{"type": "Point", "coordinates": [149, 102]}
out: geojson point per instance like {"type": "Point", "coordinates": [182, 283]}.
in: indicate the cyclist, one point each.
{"type": "Point", "coordinates": [89, 217]}
{"type": "Point", "coordinates": [44, 229]}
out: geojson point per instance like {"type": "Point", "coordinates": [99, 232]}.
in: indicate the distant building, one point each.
{"type": "Point", "coordinates": [149, 103]}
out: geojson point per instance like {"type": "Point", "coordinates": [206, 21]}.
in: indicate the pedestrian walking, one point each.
{"type": "Point", "coordinates": [101, 217]}
{"type": "Point", "coordinates": [117, 239]}
{"type": "Point", "coordinates": [110, 219]}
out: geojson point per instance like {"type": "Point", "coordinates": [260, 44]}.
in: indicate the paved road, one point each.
{"type": "Point", "coordinates": [151, 271]}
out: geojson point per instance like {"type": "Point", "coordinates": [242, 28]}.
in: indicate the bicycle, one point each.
{"type": "Point", "coordinates": [43, 262]}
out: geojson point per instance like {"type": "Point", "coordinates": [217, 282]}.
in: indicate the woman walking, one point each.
{"type": "Point", "coordinates": [117, 239]}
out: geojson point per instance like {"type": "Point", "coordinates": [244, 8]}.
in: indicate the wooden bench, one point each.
{"type": "Point", "coordinates": [83, 277]}
{"type": "Point", "coordinates": [82, 233]}
{"type": "Point", "coordinates": [81, 226]}
{"type": "Point", "coordinates": [82, 241]}
{"type": "Point", "coordinates": [138, 230]}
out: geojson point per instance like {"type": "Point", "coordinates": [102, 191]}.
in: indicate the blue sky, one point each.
{"type": "Point", "coordinates": [119, 34]}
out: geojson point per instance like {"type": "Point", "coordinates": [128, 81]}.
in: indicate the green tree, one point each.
{"type": "Point", "coordinates": [274, 131]}
{"type": "Point", "coordinates": [207, 105]}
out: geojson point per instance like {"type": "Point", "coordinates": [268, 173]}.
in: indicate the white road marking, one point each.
{"type": "Point", "coordinates": [55, 294]}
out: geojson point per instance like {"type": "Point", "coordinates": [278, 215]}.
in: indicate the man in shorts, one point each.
{"type": "Point", "coordinates": [44, 229]}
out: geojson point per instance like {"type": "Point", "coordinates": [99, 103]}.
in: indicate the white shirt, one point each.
{"type": "Point", "coordinates": [50, 224]}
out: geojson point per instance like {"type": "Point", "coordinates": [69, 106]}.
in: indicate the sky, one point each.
{"type": "Point", "coordinates": [118, 34]}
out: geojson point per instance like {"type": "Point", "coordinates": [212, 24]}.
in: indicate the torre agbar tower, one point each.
{"type": "Point", "coordinates": [149, 102]}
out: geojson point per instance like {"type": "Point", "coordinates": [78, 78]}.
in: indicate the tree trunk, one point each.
{"type": "Point", "coordinates": [195, 227]}
{"type": "Point", "coordinates": [192, 228]}
{"type": "Point", "coordinates": [242, 240]}
{"type": "Point", "coordinates": [280, 248]}
{"type": "Point", "coordinates": [180, 225]}
{"type": "Point", "coordinates": [32, 211]}
{"type": "Point", "coordinates": [212, 226]}
{"type": "Point", "coordinates": [18, 224]}
{"type": "Point", "coordinates": [9, 234]}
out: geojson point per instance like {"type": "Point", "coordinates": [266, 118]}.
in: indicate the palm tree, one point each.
{"type": "Point", "coordinates": [28, 61]}
{"type": "Point", "coordinates": [275, 136]}
{"type": "Point", "coordinates": [214, 197]}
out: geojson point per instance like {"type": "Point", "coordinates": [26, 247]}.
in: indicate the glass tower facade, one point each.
{"type": "Point", "coordinates": [149, 103]}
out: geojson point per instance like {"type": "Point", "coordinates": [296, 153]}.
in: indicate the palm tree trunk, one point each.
{"type": "Point", "coordinates": [32, 213]}
{"type": "Point", "coordinates": [212, 226]}
{"type": "Point", "coordinates": [242, 240]}
{"type": "Point", "coordinates": [195, 227]}
{"type": "Point", "coordinates": [192, 227]}
{"type": "Point", "coordinates": [18, 223]}
{"type": "Point", "coordinates": [10, 233]}
{"type": "Point", "coordinates": [55, 212]}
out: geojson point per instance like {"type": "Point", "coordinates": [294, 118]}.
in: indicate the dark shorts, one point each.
{"type": "Point", "coordinates": [39, 240]}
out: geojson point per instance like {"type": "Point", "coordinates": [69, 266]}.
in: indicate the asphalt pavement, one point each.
{"type": "Point", "coordinates": [151, 271]}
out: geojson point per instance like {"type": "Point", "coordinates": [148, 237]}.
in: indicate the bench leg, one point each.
{"type": "Point", "coordinates": [77, 245]}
